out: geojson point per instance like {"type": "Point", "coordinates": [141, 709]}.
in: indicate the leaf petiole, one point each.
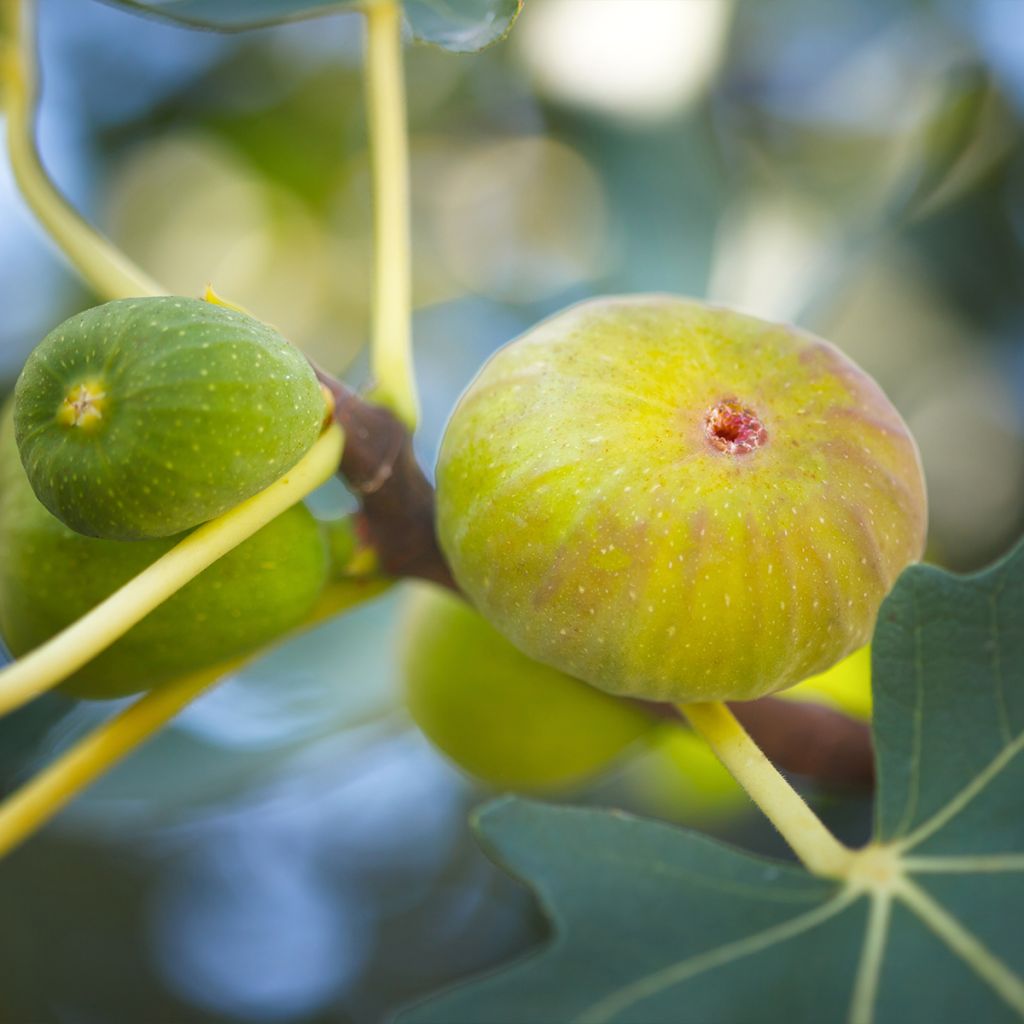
{"type": "Point", "coordinates": [391, 332]}
{"type": "Point", "coordinates": [57, 784]}
{"type": "Point", "coordinates": [819, 850]}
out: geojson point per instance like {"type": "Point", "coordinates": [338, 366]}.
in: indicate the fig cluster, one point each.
{"type": "Point", "coordinates": [133, 423]}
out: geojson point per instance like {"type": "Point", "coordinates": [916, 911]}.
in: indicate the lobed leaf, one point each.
{"type": "Point", "coordinates": [459, 25]}
{"type": "Point", "coordinates": [651, 923]}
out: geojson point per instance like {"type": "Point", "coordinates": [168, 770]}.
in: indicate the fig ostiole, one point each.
{"type": "Point", "coordinates": [678, 502]}
{"type": "Point", "coordinates": [51, 575]}
{"type": "Point", "coordinates": [501, 716]}
{"type": "Point", "coordinates": [144, 417]}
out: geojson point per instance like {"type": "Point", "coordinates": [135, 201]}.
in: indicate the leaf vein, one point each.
{"type": "Point", "coordinates": [965, 796]}
{"type": "Point", "coordinates": [865, 989]}
{"type": "Point", "coordinates": [985, 964]}
{"type": "Point", "coordinates": [977, 864]}
{"type": "Point", "coordinates": [651, 984]}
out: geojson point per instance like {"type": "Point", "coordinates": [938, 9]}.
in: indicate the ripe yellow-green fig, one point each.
{"type": "Point", "coordinates": [499, 715]}
{"type": "Point", "coordinates": [145, 417]}
{"type": "Point", "coordinates": [50, 576]}
{"type": "Point", "coordinates": [678, 502]}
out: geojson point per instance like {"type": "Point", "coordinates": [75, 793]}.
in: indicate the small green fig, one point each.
{"type": "Point", "coordinates": [50, 576]}
{"type": "Point", "coordinates": [678, 502]}
{"type": "Point", "coordinates": [145, 417]}
{"type": "Point", "coordinates": [499, 715]}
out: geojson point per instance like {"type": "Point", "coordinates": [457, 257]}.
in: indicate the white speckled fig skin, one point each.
{"type": "Point", "coordinates": [145, 417]}
{"type": "Point", "coordinates": [678, 502]}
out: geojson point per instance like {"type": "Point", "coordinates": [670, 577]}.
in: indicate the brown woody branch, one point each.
{"type": "Point", "coordinates": [397, 513]}
{"type": "Point", "coordinates": [396, 500]}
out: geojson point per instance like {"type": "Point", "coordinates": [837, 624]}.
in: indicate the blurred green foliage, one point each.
{"type": "Point", "coordinates": [292, 850]}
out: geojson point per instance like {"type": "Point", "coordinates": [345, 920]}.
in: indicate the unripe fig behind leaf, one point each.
{"type": "Point", "coordinates": [50, 576]}
{"type": "Point", "coordinates": [678, 502]}
{"type": "Point", "coordinates": [498, 714]}
{"type": "Point", "coordinates": [145, 417]}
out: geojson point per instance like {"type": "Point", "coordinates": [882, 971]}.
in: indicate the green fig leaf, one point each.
{"type": "Point", "coordinates": [463, 26]}
{"type": "Point", "coordinates": [652, 923]}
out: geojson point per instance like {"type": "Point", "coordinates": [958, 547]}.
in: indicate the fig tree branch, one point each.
{"type": "Point", "coordinates": [397, 514]}
{"type": "Point", "coordinates": [396, 499]}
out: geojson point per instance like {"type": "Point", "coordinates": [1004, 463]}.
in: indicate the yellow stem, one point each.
{"type": "Point", "coordinates": [57, 784]}
{"type": "Point", "coordinates": [103, 266]}
{"type": "Point", "coordinates": [391, 331]}
{"type": "Point", "coordinates": [52, 662]}
{"type": "Point", "coordinates": [816, 847]}
{"type": "Point", "coordinates": [60, 782]}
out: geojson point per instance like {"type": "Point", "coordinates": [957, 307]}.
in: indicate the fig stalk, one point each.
{"type": "Point", "coordinates": [819, 851]}
{"type": "Point", "coordinates": [391, 338]}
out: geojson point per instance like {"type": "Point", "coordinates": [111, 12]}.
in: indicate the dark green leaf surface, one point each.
{"type": "Point", "coordinates": [949, 709]}
{"type": "Point", "coordinates": [460, 25]}
{"type": "Point", "coordinates": [654, 924]}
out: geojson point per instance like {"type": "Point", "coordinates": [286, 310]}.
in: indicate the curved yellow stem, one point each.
{"type": "Point", "coordinates": [57, 784]}
{"type": "Point", "coordinates": [816, 847]}
{"type": "Point", "coordinates": [103, 266]}
{"type": "Point", "coordinates": [55, 660]}
{"type": "Point", "coordinates": [60, 782]}
{"type": "Point", "coordinates": [391, 330]}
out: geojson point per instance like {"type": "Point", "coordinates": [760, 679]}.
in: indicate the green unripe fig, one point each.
{"type": "Point", "coordinates": [145, 417]}
{"type": "Point", "coordinates": [499, 715]}
{"type": "Point", "coordinates": [678, 502]}
{"type": "Point", "coordinates": [50, 576]}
